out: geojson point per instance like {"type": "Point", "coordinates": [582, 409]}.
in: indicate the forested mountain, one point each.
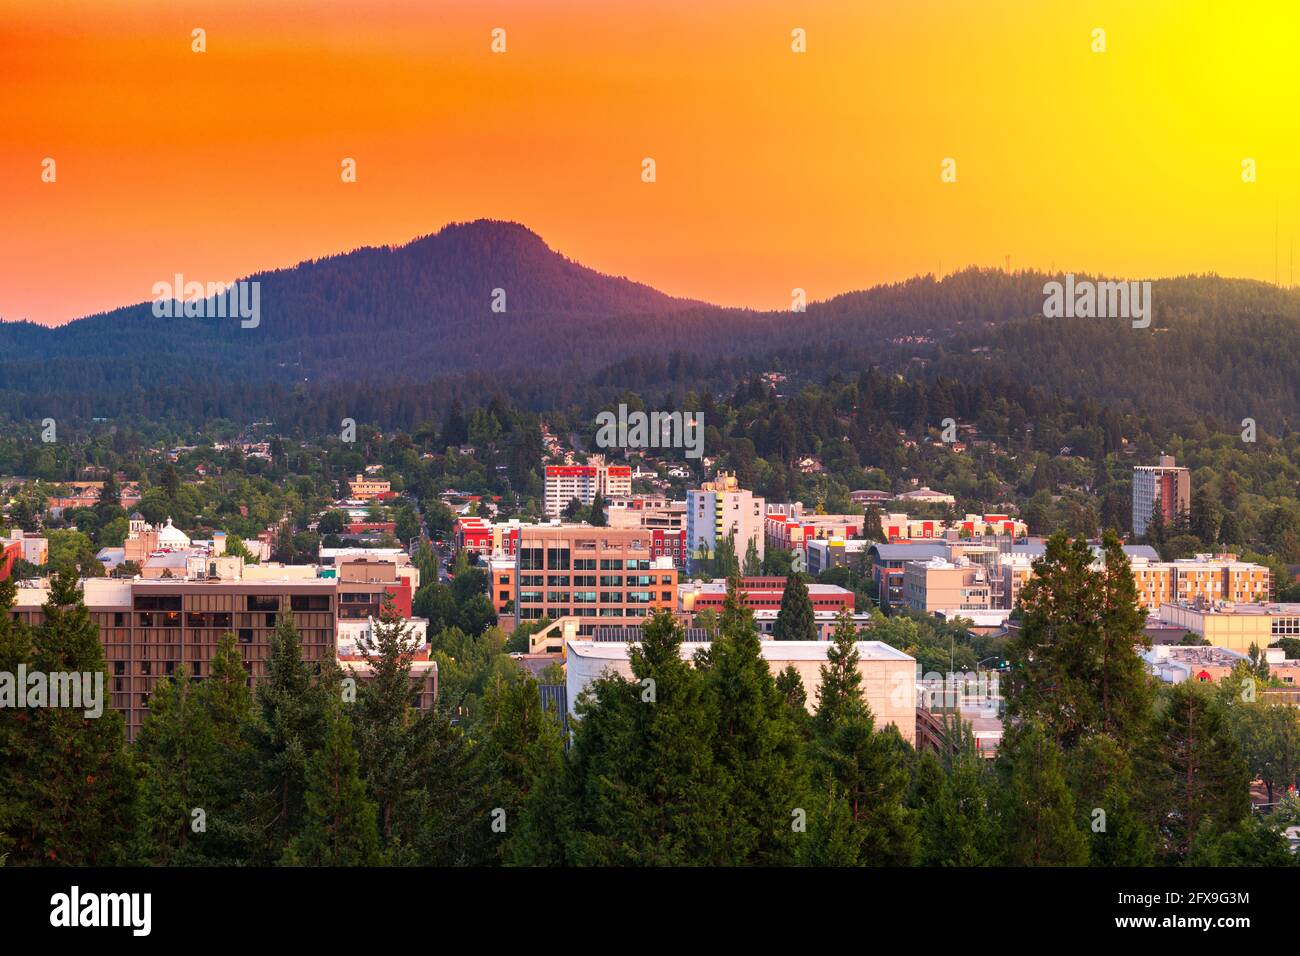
{"type": "Point", "coordinates": [356, 331]}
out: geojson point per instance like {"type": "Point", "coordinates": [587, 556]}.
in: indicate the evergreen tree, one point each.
{"type": "Point", "coordinates": [953, 817]}
{"type": "Point", "coordinates": [790, 686]}
{"type": "Point", "coordinates": [757, 746]}
{"type": "Point", "coordinates": [339, 819]}
{"type": "Point", "coordinates": [753, 563]}
{"type": "Point", "coordinates": [291, 717]}
{"type": "Point", "coordinates": [178, 760]}
{"type": "Point", "coordinates": [795, 620]}
{"type": "Point", "coordinates": [521, 746]}
{"type": "Point", "coordinates": [1074, 663]}
{"type": "Point", "coordinates": [839, 695]}
{"type": "Point", "coordinates": [642, 752]}
{"type": "Point", "coordinates": [1101, 780]}
{"type": "Point", "coordinates": [73, 772]}
{"type": "Point", "coordinates": [1201, 786]}
{"type": "Point", "coordinates": [15, 650]}
{"type": "Point", "coordinates": [1125, 686]}
{"type": "Point", "coordinates": [386, 728]}
{"type": "Point", "coordinates": [869, 768]}
{"type": "Point", "coordinates": [1037, 811]}
{"type": "Point", "coordinates": [598, 519]}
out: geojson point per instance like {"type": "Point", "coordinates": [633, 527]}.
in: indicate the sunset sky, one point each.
{"type": "Point", "coordinates": [775, 169]}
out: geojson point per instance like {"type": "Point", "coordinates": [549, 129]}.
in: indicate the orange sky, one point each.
{"type": "Point", "coordinates": [775, 170]}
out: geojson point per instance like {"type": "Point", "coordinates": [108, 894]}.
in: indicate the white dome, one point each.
{"type": "Point", "coordinates": [172, 537]}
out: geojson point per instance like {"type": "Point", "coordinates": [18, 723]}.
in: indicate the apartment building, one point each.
{"type": "Point", "coordinates": [1165, 485]}
{"type": "Point", "coordinates": [561, 484]}
{"type": "Point", "coordinates": [1236, 626]}
{"type": "Point", "coordinates": [720, 509]}
{"type": "Point", "coordinates": [603, 575]}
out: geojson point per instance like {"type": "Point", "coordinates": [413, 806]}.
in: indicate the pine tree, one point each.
{"type": "Point", "coordinates": [1201, 785]}
{"type": "Point", "coordinates": [757, 746]}
{"type": "Point", "coordinates": [339, 822]}
{"type": "Point", "coordinates": [954, 818]}
{"type": "Point", "coordinates": [839, 695]}
{"type": "Point", "coordinates": [1125, 686]}
{"type": "Point", "coordinates": [598, 519]}
{"type": "Point", "coordinates": [177, 758]}
{"type": "Point", "coordinates": [869, 768]}
{"type": "Point", "coordinates": [795, 620]}
{"type": "Point", "coordinates": [1038, 817]}
{"type": "Point", "coordinates": [74, 771]}
{"type": "Point", "coordinates": [521, 745]}
{"type": "Point", "coordinates": [291, 717]}
{"type": "Point", "coordinates": [15, 650]}
{"type": "Point", "coordinates": [642, 752]}
{"type": "Point", "coordinates": [1074, 663]}
{"type": "Point", "coordinates": [790, 686]}
{"type": "Point", "coordinates": [1100, 777]}
{"type": "Point", "coordinates": [391, 762]}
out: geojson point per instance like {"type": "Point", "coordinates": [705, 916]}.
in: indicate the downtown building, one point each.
{"type": "Point", "coordinates": [151, 627]}
{"type": "Point", "coordinates": [602, 576]}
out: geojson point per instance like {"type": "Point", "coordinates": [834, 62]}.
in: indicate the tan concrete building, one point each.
{"type": "Point", "coordinates": [604, 575]}
{"type": "Point", "coordinates": [1236, 626]}
{"type": "Point", "coordinates": [947, 586]}
{"type": "Point", "coordinates": [888, 675]}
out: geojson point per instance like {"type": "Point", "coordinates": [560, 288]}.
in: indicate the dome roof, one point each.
{"type": "Point", "coordinates": [172, 537]}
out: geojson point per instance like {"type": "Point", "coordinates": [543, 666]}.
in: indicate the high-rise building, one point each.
{"type": "Point", "coordinates": [720, 509]}
{"type": "Point", "coordinates": [563, 483]}
{"type": "Point", "coordinates": [1163, 484]}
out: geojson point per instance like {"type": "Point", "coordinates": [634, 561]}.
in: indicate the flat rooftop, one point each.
{"type": "Point", "coordinates": [772, 650]}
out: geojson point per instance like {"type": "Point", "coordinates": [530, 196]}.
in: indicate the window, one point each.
{"type": "Point", "coordinates": [530, 559]}
{"type": "Point", "coordinates": [263, 602]}
{"type": "Point", "coordinates": [158, 602]}
{"type": "Point", "coordinates": [310, 602]}
{"type": "Point", "coordinates": [245, 635]}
